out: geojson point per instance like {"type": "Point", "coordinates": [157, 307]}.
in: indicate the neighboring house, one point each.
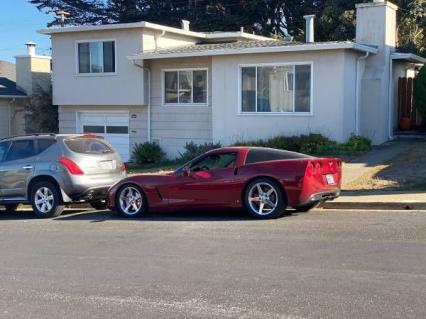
{"type": "Point", "coordinates": [18, 82]}
{"type": "Point", "coordinates": [141, 81]}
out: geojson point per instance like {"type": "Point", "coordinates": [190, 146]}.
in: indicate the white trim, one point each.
{"type": "Point", "coordinates": [90, 74]}
{"type": "Point", "coordinates": [163, 87]}
{"type": "Point", "coordinates": [294, 113]}
{"type": "Point", "coordinates": [34, 56]}
{"type": "Point", "coordinates": [273, 49]}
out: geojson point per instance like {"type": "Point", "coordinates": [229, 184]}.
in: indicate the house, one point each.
{"type": "Point", "coordinates": [18, 82]}
{"type": "Point", "coordinates": [142, 81]}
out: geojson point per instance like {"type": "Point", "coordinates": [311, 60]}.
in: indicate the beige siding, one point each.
{"type": "Point", "coordinates": [174, 126]}
{"type": "Point", "coordinates": [4, 118]}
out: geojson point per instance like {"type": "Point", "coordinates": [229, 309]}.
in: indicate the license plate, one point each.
{"type": "Point", "coordinates": [107, 164]}
{"type": "Point", "coordinates": [330, 179]}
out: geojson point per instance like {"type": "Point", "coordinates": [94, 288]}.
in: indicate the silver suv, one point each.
{"type": "Point", "coordinates": [48, 171]}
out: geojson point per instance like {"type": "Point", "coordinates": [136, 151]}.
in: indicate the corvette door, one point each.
{"type": "Point", "coordinates": [211, 181]}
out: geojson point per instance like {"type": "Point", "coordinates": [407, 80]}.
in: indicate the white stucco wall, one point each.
{"type": "Point", "coordinates": [333, 98]}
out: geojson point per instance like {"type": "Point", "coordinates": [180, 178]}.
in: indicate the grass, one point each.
{"type": "Point", "coordinates": [406, 171]}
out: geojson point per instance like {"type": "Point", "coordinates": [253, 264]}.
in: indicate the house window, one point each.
{"type": "Point", "coordinates": [96, 57]}
{"type": "Point", "coordinates": [276, 89]}
{"type": "Point", "coordinates": [185, 87]}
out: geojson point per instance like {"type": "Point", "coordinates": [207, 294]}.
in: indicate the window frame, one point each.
{"type": "Point", "coordinates": [293, 113]}
{"type": "Point", "coordinates": [163, 86]}
{"type": "Point", "coordinates": [77, 58]}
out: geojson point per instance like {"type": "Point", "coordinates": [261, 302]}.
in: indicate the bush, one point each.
{"type": "Point", "coordinates": [356, 144]}
{"type": "Point", "coordinates": [147, 152]}
{"type": "Point", "coordinates": [193, 150]}
{"type": "Point", "coordinates": [317, 144]}
{"type": "Point", "coordinates": [420, 93]}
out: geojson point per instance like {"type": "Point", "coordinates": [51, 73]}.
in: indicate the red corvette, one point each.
{"type": "Point", "coordinates": [263, 181]}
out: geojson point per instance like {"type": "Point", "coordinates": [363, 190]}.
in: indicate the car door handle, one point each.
{"type": "Point", "coordinates": [27, 167]}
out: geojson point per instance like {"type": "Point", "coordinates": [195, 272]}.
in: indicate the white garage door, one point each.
{"type": "Point", "coordinates": [114, 127]}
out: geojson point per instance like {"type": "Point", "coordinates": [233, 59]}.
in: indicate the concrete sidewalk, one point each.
{"type": "Point", "coordinates": [377, 199]}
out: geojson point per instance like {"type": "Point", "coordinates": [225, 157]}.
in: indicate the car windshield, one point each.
{"type": "Point", "coordinates": [85, 145]}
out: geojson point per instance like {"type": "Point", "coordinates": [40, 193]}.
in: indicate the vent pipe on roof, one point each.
{"type": "Point", "coordinates": [31, 48]}
{"type": "Point", "coordinates": [309, 29]}
{"type": "Point", "coordinates": [185, 25]}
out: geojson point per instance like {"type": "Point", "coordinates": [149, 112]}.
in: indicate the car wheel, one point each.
{"type": "Point", "coordinates": [131, 201]}
{"type": "Point", "coordinates": [264, 198]}
{"type": "Point", "coordinates": [11, 208]}
{"type": "Point", "coordinates": [307, 207]}
{"type": "Point", "coordinates": [98, 204]}
{"type": "Point", "coordinates": [46, 200]}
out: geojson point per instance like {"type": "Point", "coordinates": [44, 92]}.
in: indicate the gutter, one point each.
{"type": "Point", "coordinates": [357, 92]}
{"type": "Point", "coordinates": [149, 97]}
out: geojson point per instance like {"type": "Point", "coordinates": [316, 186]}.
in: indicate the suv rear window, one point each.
{"type": "Point", "coordinates": [85, 145]}
{"type": "Point", "coordinates": [267, 154]}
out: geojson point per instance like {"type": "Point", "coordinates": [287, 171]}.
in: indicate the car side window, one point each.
{"type": "Point", "coordinates": [44, 144]}
{"type": "Point", "coordinates": [20, 149]}
{"type": "Point", "coordinates": [3, 150]}
{"type": "Point", "coordinates": [214, 161]}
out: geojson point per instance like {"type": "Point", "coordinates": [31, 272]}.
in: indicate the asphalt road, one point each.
{"type": "Point", "coordinates": [323, 264]}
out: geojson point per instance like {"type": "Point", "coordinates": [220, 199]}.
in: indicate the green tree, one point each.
{"type": "Point", "coordinates": [335, 18]}
{"type": "Point", "coordinates": [420, 93]}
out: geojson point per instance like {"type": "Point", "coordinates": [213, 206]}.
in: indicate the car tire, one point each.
{"type": "Point", "coordinates": [46, 200]}
{"type": "Point", "coordinates": [272, 197]}
{"type": "Point", "coordinates": [98, 204]}
{"type": "Point", "coordinates": [131, 201]}
{"type": "Point", "coordinates": [11, 208]}
{"type": "Point", "coordinates": [307, 207]}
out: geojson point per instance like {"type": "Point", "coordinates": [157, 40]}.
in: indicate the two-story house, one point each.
{"type": "Point", "coordinates": [142, 81]}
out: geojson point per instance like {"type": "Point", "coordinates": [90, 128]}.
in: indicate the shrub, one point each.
{"type": "Point", "coordinates": [356, 144]}
{"type": "Point", "coordinates": [317, 144]}
{"type": "Point", "coordinates": [420, 93]}
{"type": "Point", "coordinates": [147, 152]}
{"type": "Point", "coordinates": [193, 150]}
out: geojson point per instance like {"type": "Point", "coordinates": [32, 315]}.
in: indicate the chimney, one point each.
{"type": "Point", "coordinates": [31, 48]}
{"type": "Point", "coordinates": [33, 71]}
{"type": "Point", "coordinates": [185, 25]}
{"type": "Point", "coordinates": [309, 29]}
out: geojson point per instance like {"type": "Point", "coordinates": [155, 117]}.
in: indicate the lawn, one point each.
{"type": "Point", "coordinates": [407, 171]}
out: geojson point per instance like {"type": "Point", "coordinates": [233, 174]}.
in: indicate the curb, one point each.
{"type": "Point", "coordinates": [375, 205]}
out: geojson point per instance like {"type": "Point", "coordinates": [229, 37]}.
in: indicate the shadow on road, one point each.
{"type": "Point", "coordinates": [101, 216]}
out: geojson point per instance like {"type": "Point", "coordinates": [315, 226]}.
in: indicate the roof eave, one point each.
{"type": "Point", "coordinates": [13, 96]}
{"type": "Point", "coordinates": [292, 48]}
{"type": "Point", "coordinates": [410, 57]}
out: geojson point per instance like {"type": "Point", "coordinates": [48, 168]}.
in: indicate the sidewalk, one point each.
{"type": "Point", "coordinates": [377, 199]}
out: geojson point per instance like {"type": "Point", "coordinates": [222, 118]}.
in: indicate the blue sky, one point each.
{"type": "Point", "coordinates": [19, 21]}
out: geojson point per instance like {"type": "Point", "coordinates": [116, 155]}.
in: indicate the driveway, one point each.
{"type": "Point", "coordinates": [332, 264]}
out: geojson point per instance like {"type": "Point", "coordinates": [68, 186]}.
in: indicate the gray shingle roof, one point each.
{"type": "Point", "coordinates": [8, 88]}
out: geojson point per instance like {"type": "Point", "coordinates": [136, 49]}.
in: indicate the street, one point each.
{"type": "Point", "coordinates": [334, 264]}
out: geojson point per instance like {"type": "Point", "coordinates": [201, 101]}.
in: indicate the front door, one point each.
{"type": "Point", "coordinates": [211, 181]}
{"type": "Point", "coordinates": [16, 169]}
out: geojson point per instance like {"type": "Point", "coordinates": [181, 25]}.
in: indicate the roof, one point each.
{"type": "Point", "coordinates": [153, 26]}
{"type": "Point", "coordinates": [8, 89]}
{"type": "Point", "coordinates": [247, 47]}
{"type": "Point", "coordinates": [410, 57]}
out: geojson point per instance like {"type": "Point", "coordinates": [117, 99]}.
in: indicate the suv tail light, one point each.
{"type": "Point", "coordinates": [72, 167]}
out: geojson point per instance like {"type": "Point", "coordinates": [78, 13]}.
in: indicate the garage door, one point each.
{"type": "Point", "coordinates": [114, 127]}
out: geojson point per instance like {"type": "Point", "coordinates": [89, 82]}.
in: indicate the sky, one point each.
{"type": "Point", "coordinates": [19, 21]}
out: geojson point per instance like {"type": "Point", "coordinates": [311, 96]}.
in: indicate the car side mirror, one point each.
{"type": "Point", "coordinates": [186, 171]}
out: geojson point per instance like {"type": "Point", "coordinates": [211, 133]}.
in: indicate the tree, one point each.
{"type": "Point", "coordinates": [420, 93]}
{"type": "Point", "coordinates": [335, 18]}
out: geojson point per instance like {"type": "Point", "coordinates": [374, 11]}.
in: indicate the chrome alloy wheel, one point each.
{"type": "Point", "coordinates": [44, 200]}
{"type": "Point", "coordinates": [263, 198]}
{"type": "Point", "coordinates": [130, 200]}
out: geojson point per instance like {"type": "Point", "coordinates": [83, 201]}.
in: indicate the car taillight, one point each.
{"type": "Point", "coordinates": [310, 169]}
{"type": "Point", "coordinates": [123, 168]}
{"type": "Point", "coordinates": [72, 167]}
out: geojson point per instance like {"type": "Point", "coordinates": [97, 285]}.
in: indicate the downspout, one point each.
{"type": "Point", "coordinates": [390, 106]}
{"type": "Point", "coordinates": [149, 98]}
{"type": "Point", "coordinates": [357, 92]}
